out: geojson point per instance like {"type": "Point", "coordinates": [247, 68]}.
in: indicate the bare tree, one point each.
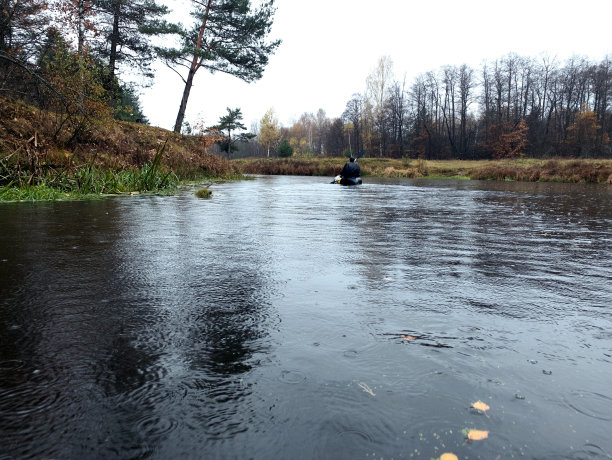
{"type": "Point", "coordinates": [377, 87]}
{"type": "Point", "coordinates": [466, 84]}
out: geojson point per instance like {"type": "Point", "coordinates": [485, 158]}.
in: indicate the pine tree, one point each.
{"type": "Point", "coordinates": [126, 27]}
{"type": "Point", "coordinates": [21, 24]}
{"type": "Point", "coordinates": [232, 122]}
{"type": "Point", "coordinates": [229, 36]}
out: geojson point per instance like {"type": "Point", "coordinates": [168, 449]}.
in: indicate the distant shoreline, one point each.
{"type": "Point", "coordinates": [525, 169]}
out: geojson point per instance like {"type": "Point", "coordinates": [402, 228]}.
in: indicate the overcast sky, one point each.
{"type": "Point", "coordinates": [330, 46]}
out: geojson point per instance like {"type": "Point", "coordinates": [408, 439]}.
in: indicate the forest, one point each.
{"type": "Point", "coordinates": [513, 106]}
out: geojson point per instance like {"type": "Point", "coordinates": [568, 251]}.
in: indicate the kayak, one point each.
{"type": "Point", "coordinates": [347, 180]}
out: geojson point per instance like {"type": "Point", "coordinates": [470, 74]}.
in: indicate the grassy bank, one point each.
{"type": "Point", "coordinates": [563, 170]}
{"type": "Point", "coordinates": [47, 156]}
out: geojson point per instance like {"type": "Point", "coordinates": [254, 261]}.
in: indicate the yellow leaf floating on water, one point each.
{"type": "Point", "coordinates": [366, 388]}
{"type": "Point", "coordinates": [478, 435]}
{"type": "Point", "coordinates": [479, 405]}
{"type": "Point", "coordinates": [448, 456]}
{"type": "Point", "coordinates": [408, 337]}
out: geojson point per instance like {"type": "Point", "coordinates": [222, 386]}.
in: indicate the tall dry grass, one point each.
{"type": "Point", "coordinates": [548, 171]}
{"type": "Point", "coordinates": [290, 166]}
{"type": "Point", "coordinates": [596, 171]}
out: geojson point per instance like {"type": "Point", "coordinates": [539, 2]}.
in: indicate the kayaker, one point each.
{"type": "Point", "coordinates": [351, 169]}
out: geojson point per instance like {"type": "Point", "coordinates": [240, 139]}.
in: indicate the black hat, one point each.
{"type": "Point", "coordinates": [352, 158]}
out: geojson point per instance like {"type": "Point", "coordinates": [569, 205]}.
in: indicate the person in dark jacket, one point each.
{"type": "Point", "coordinates": [351, 169]}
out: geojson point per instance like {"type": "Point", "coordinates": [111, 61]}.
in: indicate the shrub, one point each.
{"type": "Point", "coordinates": [285, 150]}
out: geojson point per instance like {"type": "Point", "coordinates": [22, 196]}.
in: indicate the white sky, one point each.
{"type": "Point", "coordinates": [330, 46]}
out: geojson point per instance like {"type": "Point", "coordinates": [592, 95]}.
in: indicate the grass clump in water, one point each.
{"type": "Point", "coordinates": [204, 193]}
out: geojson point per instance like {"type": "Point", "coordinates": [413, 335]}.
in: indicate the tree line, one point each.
{"type": "Point", "coordinates": [511, 106]}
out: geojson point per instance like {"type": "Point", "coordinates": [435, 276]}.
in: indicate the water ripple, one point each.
{"type": "Point", "coordinates": [292, 377]}
{"type": "Point", "coordinates": [154, 426]}
{"type": "Point", "coordinates": [592, 404]}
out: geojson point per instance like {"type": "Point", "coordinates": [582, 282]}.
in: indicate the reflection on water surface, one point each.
{"type": "Point", "coordinates": [291, 318]}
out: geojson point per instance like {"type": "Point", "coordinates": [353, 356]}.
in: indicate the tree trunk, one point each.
{"type": "Point", "coordinates": [114, 40]}
{"type": "Point", "coordinates": [81, 28]}
{"type": "Point", "coordinates": [195, 65]}
{"type": "Point", "coordinates": [181, 113]}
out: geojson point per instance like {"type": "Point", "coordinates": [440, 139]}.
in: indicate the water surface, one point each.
{"type": "Point", "coordinates": [290, 318]}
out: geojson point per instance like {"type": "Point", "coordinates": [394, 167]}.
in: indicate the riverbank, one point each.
{"type": "Point", "coordinates": [525, 169]}
{"type": "Point", "coordinates": [52, 156]}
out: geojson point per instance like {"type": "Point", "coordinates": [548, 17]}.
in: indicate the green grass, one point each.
{"type": "Point", "coordinates": [40, 193]}
{"type": "Point", "coordinates": [91, 182]}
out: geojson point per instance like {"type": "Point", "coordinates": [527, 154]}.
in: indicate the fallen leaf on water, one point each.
{"type": "Point", "coordinates": [478, 435]}
{"type": "Point", "coordinates": [479, 405]}
{"type": "Point", "coordinates": [366, 388]}
{"type": "Point", "coordinates": [448, 456]}
{"type": "Point", "coordinates": [409, 337]}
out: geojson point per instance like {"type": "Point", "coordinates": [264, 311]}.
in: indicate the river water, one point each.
{"type": "Point", "coordinates": [290, 318]}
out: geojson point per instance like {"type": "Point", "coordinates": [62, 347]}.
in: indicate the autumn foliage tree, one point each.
{"type": "Point", "coordinates": [269, 130]}
{"type": "Point", "coordinates": [584, 135]}
{"type": "Point", "coordinates": [74, 90]}
{"type": "Point", "coordinates": [507, 140]}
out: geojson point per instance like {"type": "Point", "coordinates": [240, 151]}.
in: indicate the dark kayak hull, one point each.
{"type": "Point", "coordinates": [350, 181]}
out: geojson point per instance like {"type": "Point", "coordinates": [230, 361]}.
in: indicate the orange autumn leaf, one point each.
{"type": "Point", "coordinates": [448, 456]}
{"type": "Point", "coordinates": [478, 435]}
{"type": "Point", "coordinates": [408, 337]}
{"type": "Point", "coordinates": [479, 405]}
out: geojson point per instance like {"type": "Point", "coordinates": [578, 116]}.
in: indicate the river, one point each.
{"type": "Point", "coordinates": [290, 318]}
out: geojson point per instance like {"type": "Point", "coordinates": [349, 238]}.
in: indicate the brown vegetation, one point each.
{"type": "Point", "coordinates": [571, 170]}
{"type": "Point", "coordinates": [549, 171]}
{"type": "Point", "coordinates": [290, 166]}
{"type": "Point", "coordinates": [30, 140]}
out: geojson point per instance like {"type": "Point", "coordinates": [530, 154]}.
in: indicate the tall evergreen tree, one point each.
{"type": "Point", "coordinates": [232, 122]}
{"type": "Point", "coordinates": [228, 36]}
{"type": "Point", "coordinates": [21, 24]}
{"type": "Point", "coordinates": [126, 27]}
